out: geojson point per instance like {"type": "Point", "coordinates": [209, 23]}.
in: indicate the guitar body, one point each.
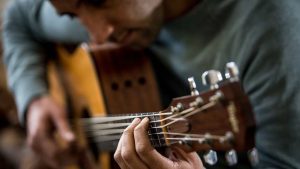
{"type": "Point", "coordinates": [102, 82]}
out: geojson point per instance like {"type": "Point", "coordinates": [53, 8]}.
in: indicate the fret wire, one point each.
{"type": "Point", "coordinates": [118, 118]}
{"type": "Point", "coordinates": [158, 136]}
{"type": "Point", "coordinates": [160, 143]}
{"type": "Point", "coordinates": [153, 137]}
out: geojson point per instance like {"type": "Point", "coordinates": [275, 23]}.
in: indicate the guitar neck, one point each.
{"type": "Point", "coordinates": [105, 132]}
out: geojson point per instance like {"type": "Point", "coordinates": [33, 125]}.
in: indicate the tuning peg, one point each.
{"type": "Point", "coordinates": [253, 157]}
{"type": "Point", "coordinates": [232, 71]}
{"type": "Point", "coordinates": [197, 103]}
{"type": "Point", "coordinates": [218, 96]}
{"type": "Point", "coordinates": [193, 87]}
{"type": "Point", "coordinates": [227, 138]}
{"type": "Point", "coordinates": [212, 77]}
{"type": "Point", "coordinates": [231, 157]}
{"type": "Point", "coordinates": [178, 108]}
{"type": "Point", "coordinates": [186, 141]}
{"type": "Point", "coordinates": [211, 157]}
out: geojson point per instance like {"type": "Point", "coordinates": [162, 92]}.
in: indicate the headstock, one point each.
{"type": "Point", "coordinates": [218, 119]}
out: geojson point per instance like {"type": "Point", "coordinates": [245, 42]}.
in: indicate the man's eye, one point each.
{"type": "Point", "coordinates": [70, 14]}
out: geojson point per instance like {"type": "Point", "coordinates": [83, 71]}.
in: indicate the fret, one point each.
{"type": "Point", "coordinates": [154, 131]}
{"type": "Point", "coordinates": [150, 133]}
{"type": "Point", "coordinates": [159, 130]}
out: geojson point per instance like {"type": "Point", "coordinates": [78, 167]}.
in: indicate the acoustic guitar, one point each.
{"type": "Point", "coordinates": [103, 89]}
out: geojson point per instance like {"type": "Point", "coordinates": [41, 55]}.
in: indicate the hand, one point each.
{"type": "Point", "coordinates": [45, 120]}
{"type": "Point", "coordinates": [135, 151]}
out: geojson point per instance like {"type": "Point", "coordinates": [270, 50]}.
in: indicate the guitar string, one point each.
{"type": "Point", "coordinates": [97, 120]}
{"type": "Point", "coordinates": [120, 131]}
{"type": "Point", "coordinates": [209, 105]}
{"type": "Point", "coordinates": [186, 136]}
{"type": "Point", "coordinates": [101, 120]}
{"type": "Point", "coordinates": [112, 118]}
{"type": "Point", "coordinates": [200, 138]}
{"type": "Point", "coordinates": [100, 126]}
{"type": "Point", "coordinates": [208, 136]}
{"type": "Point", "coordinates": [114, 130]}
{"type": "Point", "coordinates": [157, 127]}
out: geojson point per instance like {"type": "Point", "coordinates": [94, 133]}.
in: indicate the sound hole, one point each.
{"type": "Point", "coordinates": [142, 81]}
{"type": "Point", "coordinates": [128, 83]}
{"type": "Point", "coordinates": [114, 86]}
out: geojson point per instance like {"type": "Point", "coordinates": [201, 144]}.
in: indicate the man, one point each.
{"type": "Point", "coordinates": [261, 37]}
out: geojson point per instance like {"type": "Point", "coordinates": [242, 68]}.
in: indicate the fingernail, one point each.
{"type": "Point", "coordinates": [136, 120]}
{"type": "Point", "coordinates": [69, 136]}
{"type": "Point", "coordinates": [145, 120]}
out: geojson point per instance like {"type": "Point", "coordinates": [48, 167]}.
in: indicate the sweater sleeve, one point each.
{"type": "Point", "coordinates": [23, 56]}
{"type": "Point", "coordinates": [271, 79]}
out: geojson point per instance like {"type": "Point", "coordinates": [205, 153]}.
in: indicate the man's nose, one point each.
{"type": "Point", "coordinates": [103, 35]}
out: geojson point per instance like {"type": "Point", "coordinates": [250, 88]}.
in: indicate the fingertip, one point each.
{"type": "Point", "coordinates": [136, 121]}
{"type": "Point", "coordinates": [69, 136]}
{"type": "Point", "coordinates": [145, 120]}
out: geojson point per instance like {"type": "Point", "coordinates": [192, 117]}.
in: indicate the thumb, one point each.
{"type": "Point", "coordinates": [63, 126]}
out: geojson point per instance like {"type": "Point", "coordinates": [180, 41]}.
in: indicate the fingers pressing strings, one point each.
{"type": "Point", "coordinates": [144, 149]}
{"type": "Point", "coordinates": [126, 155]}
{"type": "Point", "coordinates": [104, 129]}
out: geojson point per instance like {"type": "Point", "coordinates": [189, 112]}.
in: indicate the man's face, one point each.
{"type": "Point", "coordinates": [127, 22]}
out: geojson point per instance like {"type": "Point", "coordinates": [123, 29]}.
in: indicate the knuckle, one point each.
{"type": "Point", "coordinates": [142, 149]}
{"type": "Point", "coordinates": [33, 142]}
{"type": "Point", "coordinates": [59, 113]}
{"type": "Point", "coordinates": [30, 142]}
{"type": "Point", "coordinates": [139, 129]}
{"type": "Point", "coordinates": [117, 157]}
{"type": "Point", "coordinates": [127, 155]}
{"type": "Point", "coordinates": [127, 131]}
{"type": "Point", "coordinates": [56, 154]}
